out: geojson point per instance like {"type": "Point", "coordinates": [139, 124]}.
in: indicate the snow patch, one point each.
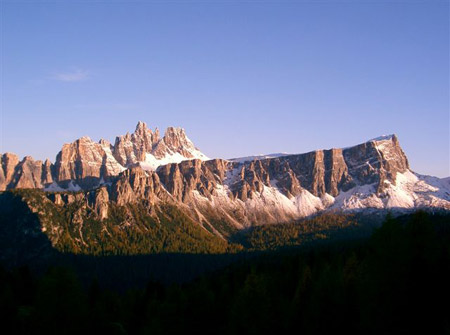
{"type": "Point", "coordinates": [414, 190]}
{"type": "Point", "coordinates": [72, 187]}
{"type": "Point", "coordinates": [54, 187]}
{"type": "Point", "coordinates": [358, 197]}
{"type": "Point", "coordinates": [232, 176]}
{"type": "Point", "coordinates": [307, 203]}
{"type": "Point", "coordinates": [151, 163]}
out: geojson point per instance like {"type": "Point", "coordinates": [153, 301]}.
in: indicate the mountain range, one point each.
{"type": "Point", "coordinates": [222, 195]}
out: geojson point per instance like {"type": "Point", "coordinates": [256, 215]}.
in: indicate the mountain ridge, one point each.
{"type": "Point", "coordinates": [144, 147]}
{"type": "Point", "coordinates": [224, 196]}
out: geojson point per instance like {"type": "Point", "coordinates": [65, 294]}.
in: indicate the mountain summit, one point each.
{"type": "Point", "coordinates": [150, 151]}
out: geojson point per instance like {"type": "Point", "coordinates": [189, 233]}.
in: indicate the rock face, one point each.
{"type": "Point", "coordinates": [82, 162]}
{"type": "Point", "coordinates": [130, 149]}
{"type": "Point", "coordinates": [224, 195]}
{"type": "Point", "coordinates": [376, 160]}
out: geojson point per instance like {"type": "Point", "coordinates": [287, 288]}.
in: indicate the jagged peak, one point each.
{"type": "Point", "coordinates": [156, 133]}
{"type": "Point", "coordinates": [141, 124]}
{"type": "Point", "coordinates": [176, 131]}
{"type": "Point", "coordinates": [28, 158]}
{"type": "Point", "coordinates": [175, 137]}
{"type": "Point", "coordinates": [141, 127]}
{"type": "Point", "coordinates": [104, 143]}
{"type": "Point", "coordinates": [9, 155]}
{"type": "Point", "coordinates": [84, 139]}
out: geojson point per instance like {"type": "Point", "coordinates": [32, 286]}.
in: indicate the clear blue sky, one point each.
{"type": "Point", "coordinates": [241, 77]}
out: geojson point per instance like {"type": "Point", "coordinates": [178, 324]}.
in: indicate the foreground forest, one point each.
{"type": "Point", "coordinates": [394, 283]}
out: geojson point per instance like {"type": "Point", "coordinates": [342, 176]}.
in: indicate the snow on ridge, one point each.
{"type": "Point", "coordinates": [197, 154]}
{"type": "Point", "coordinates": [382, 138]}
{"type": "Point", "coordinates": [151, 163]}
{"type": "Point", "coordinates": [261, 156]}
{"type": "Point", "coordinates": [282, 154]}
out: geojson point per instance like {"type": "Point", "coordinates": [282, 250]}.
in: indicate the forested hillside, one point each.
{"type": "Point", "coordinates": [32, 226]}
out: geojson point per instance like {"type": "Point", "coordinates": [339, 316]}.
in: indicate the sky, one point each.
{"type": "Point", "coordinates": [242, 77]}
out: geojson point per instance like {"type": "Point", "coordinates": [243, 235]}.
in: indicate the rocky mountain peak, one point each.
{"type": "Point", "coordinates": [383, 158]}
{"type": "Point", "coordinates": [142, 133]}
{"type": "Point", "coordinates": [174, 131]}
{"type": "Point", "coordinates": [391, 150]}
{"type": "Point", "coordinates": [141, 127]}
{"type": "Point", "coordinates": [175, 139]}
{"type": "Point", "coordinates": [176, 143]}
{"type": "Point", "coordinates": [156, 133]}
{"type": "Point", "coordinates": [104, 143]}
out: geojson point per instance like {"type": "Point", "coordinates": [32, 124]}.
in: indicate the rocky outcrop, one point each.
{"type": "Point", "coordinates": [47, 173]}
{"type": "Point", "coordinates": [99, 201]}
{"type": "Point", "coordinates": [9, 163]}
{"type": "Point", "coordinates": [80, 161]}
{"type": "Point", "coordinates": [85, 162]}
{"type": "Point", "coordinates": [27, 173]}
{"type": "Point", "coordinates": [137, 184]}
